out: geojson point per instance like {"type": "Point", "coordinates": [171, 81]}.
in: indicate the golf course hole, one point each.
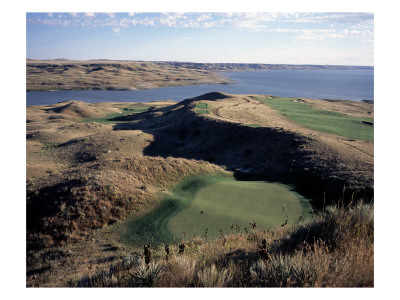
{"type": "Point", "coordinates": [211, 206]}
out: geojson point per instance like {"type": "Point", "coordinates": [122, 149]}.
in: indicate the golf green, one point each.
{"type": "Point", "coordinates": [232, 205]}
{"type": "Point", "coordinates": [205, 206]}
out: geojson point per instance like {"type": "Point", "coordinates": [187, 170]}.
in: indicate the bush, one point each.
{"type": "Point", "coordinates": [147, 275]}
{"type": "Point", "coordinates": [211, 277]}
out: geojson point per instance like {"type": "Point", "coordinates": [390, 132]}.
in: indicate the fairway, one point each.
{"type": "Point", "coordinates": [322, 120]}
{"type": "Point", "coordinates": [206, 205]}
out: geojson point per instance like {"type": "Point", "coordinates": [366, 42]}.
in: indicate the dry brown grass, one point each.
{"type": "Point", "coordinates": [352, 108]}
{"type": "Point", "coordinates": [103, 75]}
{"type": "Point", "coordinates": [344, 260]}
{"type": "Point", "coordinates": [342, 254]}
{"type": "Point", "coordinates": [84, 177]}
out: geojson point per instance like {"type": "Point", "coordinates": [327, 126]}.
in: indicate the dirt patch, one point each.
{"type": "Point", "coordinates": [215, 112]}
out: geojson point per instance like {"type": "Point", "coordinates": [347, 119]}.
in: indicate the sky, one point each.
{"type": "Point", "coordinates": [345, 38]}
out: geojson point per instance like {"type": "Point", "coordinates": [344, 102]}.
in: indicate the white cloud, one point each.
{"type": "Point", "coordinates": [203, 17]}
{"type": "Point", "coordinates": [331, 18]}
{"type": "Point", "coordinates": [317, 26]}
{"type": "Point", "coordinates": [169, 19]}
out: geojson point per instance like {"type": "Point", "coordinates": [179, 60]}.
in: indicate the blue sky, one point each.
{"type": "Point", "coordinates": [296, 38]}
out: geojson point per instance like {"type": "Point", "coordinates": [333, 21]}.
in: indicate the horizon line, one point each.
{"type": "Point", "coordinates": [193, 62]}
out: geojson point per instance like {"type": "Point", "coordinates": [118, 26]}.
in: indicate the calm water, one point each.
{"type": "Point", "coordinates": [318, 84]}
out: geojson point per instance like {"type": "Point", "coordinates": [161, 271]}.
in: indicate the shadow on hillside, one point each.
{"type": "Point", "coordinates": [46, 202]}
{"type": "Point", "coordinates": [252, 153]}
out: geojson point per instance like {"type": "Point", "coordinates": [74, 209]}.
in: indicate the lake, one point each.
{"type": "Point", "coordinates": [357, 84]}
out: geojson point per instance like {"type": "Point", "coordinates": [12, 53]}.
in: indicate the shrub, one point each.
{"type": "Point", "coordinates": [211, 277]}
{"type": "Point", "coordinates": [147, 275]}
{"type": "Point", "coordinates": [181, 270]}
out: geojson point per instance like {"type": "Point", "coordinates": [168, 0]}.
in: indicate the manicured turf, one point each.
{"type": "Point", "coordinates": [224, 201]}
{"type": "Point", "coordinates": [136, 109]}
{"type": "Point", "coordinates": [252, 125]}
{"type": "Point", "coordinates": [113, 118]}
{"type": "Point", "coordinates": [326, 121]}
{"type": "Point", "coordinates": [202, 108]}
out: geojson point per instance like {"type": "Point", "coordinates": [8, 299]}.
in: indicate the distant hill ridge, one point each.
{"type": "Point", "coordinates": [255, 66]}
{"type": "Point", "coordinates": [213, 66]}
{"type": "Point", "coordinates": [132, 75]}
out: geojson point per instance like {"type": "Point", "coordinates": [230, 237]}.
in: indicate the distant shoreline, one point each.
{"type": "Point", "coordinates": [58, 75]}
{"type": "Point", "coordinates": [238, 65]}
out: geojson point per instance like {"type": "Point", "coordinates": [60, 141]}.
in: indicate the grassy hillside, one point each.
{"type": "Point", "coordinates": [327, 121]}
{"type": "Point", "coordinates": [118, 116]}
{"type": "Point", "coordinates": [94, 168]}
{"type": "Point", "coordinates": [335, 249]}
{"type": "Point", "coordinates": [111, 75]}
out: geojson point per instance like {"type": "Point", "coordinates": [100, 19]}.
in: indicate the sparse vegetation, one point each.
{"type": "Point", "coordinates": [112, 75]}
{"type": "Point", "coordinates": [335, 249]}
{"type": "Point", "coordinates": [87, 181]}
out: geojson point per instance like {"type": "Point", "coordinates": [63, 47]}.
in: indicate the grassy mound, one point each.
{"type": "Point", "coordinates": [326, 121]}
{"type": "Point", "coordinates": [77, 109]}
{"type": "Point", "coordinates": [214, 205]}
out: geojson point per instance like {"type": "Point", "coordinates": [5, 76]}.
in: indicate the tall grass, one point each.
{"type": "Point", "coordinates": [211, 277]}
{"type": "Point", "coordinates": [335, 249]}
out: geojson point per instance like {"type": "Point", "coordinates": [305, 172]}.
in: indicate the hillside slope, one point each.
{"type": "Point", "coordinates": [111, 75]}
{"type": "Point", "coordinates": [85, 176]}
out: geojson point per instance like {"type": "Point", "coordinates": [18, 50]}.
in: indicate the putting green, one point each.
{"type": "Point", "coordinates": [206, 205]}
{"type": "Point", "coordinates": [220, 205]}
